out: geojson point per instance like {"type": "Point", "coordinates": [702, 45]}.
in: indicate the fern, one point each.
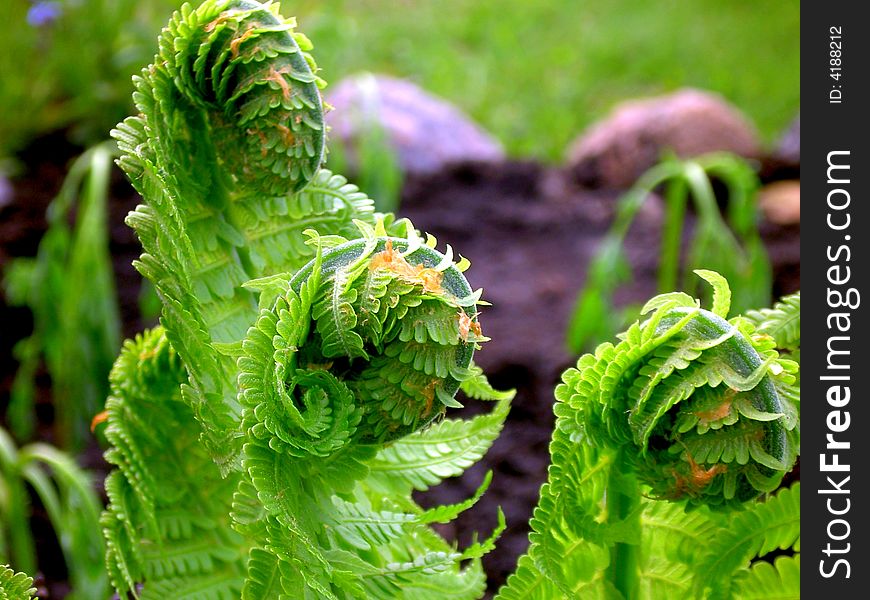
{"type": "Point", "coordinates": [322, 393]}
{"type": "Point", "coordinates": [782, 322]}
{"type": "Point", "coordinates": [15, 586]}
{"type": "Point", "coordinates": [781, 580]}
{"type": "Point", "coordinates": [307, 347]}
{"type": "Point", "coordinates": [772, 525]}
{"type": "Point", "coordinates": [665, 445]}
{"type": "Point", "coordinates": [268, 437]}
{"type": "Point", "coordinates": [168, 514]}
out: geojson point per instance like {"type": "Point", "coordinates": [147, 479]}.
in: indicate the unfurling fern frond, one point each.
{"type": "Point", "coordinates": [168, 516]}
{"type": "Point", "coordinates": [230, 129]}
{"type": "Point", "coordinates": [694, 397]}
{"type": "Point", "coordinates": [327, 378]}
{"type": "Point", "coordinates": [301, 335]}
{"type": "Point", "coordinates": [687, 408]}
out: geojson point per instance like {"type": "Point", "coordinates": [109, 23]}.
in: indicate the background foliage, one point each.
{"type": "Point", "coordinates": [577, 60]}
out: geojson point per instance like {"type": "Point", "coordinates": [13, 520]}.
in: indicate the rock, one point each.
{"type": "Point", "coordinates": [427, 133]}
{"type": "Point", "coordinates": [616, 151]}
{"type": "Point", "coordinates": [781, 202]}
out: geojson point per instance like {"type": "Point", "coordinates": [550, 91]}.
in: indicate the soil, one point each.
{"type": "Point", "coordinates": [530, 231]}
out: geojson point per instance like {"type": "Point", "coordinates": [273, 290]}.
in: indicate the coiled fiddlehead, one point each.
{"type": "Point", "coordinates": [688, 407]}
{"type": "Point", "coordinates": [243, 68]}
{"type": "Point", "coordinates": [386, 322]}
{"type": "Point", "coordinates": [366, 344]}
{"type": "Point", "coordinates": [316, 390]}
{"type": "Point", "coordinates": [695, 399]}
{"type": "Point", "coordinates": [229, 131]}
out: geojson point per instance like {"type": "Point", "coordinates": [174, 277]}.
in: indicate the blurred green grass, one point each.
{"type": "Point", "coordinates": [534, 73]}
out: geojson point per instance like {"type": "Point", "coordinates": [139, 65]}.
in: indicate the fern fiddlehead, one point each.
{"type": "Point", "coordinates": [366, 344]}
{"type": "Point", "coordinates": [687, 407]}
{"type": "Point", "coordinates": [389, 322]}
{"type": "Point", "coordinates": [310, 384]}
{"type": "Point", "coordinates": [230, 129]}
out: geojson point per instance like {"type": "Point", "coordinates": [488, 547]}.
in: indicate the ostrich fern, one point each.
{"type": "Point", "coordinates": [664, 443]}
{"type": "Point", "coordinates": [308, 349]}
{"type": "Point", "coordinates": [269, 434]}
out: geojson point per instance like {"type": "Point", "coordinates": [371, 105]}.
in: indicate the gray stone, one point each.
{"type": "Point", "coordinates": [426, 132]}
{"type": "Point", "coordinates": [614, 152]}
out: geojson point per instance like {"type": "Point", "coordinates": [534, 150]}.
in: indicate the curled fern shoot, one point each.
{"type": "Point", "coordinates": [687, 408]}
{"type": "Point", "coordinates": [268, 436]}
{"type": "Point", "coordinates": [229, 132]}
{"type": "Point", "coordinates": [696, 398]}
{"type": "Point", "coordinates": [366, 344]}
{"type": "Point", "coordinates": [389, 322]}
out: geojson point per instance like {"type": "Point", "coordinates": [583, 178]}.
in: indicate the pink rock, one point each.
{"type": "Point", "coordinates": [427, 132]}
{"type": "Point", "coordinates": [614, 152]}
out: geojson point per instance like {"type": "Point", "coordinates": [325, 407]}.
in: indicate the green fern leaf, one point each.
{"type": "Point", "coordinates": [684, 411]}
{"type": "Point", "coordinates": [366, 529]}
{"type": "Point", "coordinates": [263, 577]}
{"type": "Point", "coordinates": [764, 581]}
{"type": "Point", "coordinates": [782, 322]}
{"type": "Point", "coordinates": [15, 586]}
{"type": "Point", "coordinates": [336, 320]}
{"type": "Point", "coordinates": [285, 357]}
{"type": "Point", "coordinates": [767, 526]}
{"type": "Point", "coordinates": [163, 524]}
{"type": "Point", "coordinates": [424, 459]}
{"type": "Point", "coordinates": [476, 385]}
{"type": "Point", "coordinates": [664, 579]}
{"type": "Point", "coordinates": [448, 512]}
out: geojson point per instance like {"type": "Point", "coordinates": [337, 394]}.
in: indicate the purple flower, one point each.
{"type": "Point", "coordinates": [43, 13]}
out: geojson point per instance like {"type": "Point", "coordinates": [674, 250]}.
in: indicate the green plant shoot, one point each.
{"type": "Point", "coordinates": [667, 455]}
{"type": "Point", "coordinates": [269, 435]}
{"type": "Point", "coordinates": [734, 249]}
{"type": "Point", "coordinates": [70, 289]}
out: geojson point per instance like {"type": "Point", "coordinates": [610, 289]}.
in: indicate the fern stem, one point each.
{"type": "Point", "coordinates": [623, 507]}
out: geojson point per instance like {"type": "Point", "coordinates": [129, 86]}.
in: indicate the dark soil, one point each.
{"type": "Point", "coordinates": [529, 231]}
